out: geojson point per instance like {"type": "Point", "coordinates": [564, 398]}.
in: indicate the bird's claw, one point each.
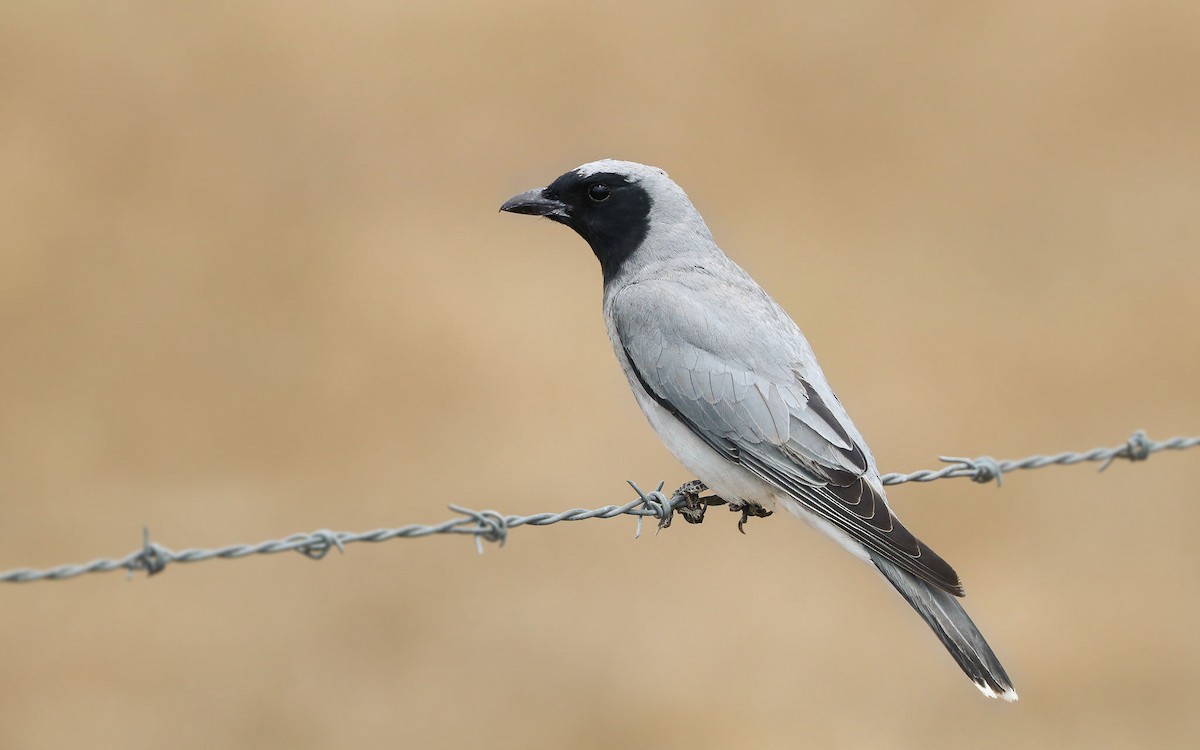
{"type": "Point", "coordinates": [748, 510]}
{"type": "Point", "coordinates": [693, 506]}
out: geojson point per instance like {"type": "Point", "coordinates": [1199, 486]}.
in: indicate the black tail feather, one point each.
{"type": "Point", "coordinates": [955, 629]}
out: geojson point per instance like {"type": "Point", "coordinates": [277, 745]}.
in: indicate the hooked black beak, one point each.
{"type": "Point", "coordinates": [537, 203]}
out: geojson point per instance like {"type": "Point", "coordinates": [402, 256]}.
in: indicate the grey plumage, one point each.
{"type": "Point", "coordinates": [733, 389]}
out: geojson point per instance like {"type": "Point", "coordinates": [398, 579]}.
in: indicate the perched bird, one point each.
{"type": "Point", "coordinates": [733, 389]}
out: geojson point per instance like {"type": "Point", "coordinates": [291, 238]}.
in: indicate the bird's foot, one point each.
{"type": "Point", "coordinates": [693, 506]}
{"type": "Point", "coordinates": [747, 510]}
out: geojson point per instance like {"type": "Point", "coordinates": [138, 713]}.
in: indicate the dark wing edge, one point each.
{"type": "Point", "coordinates": [843, 499]}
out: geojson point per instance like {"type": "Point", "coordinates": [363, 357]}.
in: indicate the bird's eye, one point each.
{"type": "Point", "coordinates": [599, 192]}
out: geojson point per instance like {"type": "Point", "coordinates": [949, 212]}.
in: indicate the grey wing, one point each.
{"type": "Point", "coordinates": [759, 410]}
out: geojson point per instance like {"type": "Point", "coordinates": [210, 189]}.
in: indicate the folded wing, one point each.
{"type": "Point", "coordinates": [755, 403]}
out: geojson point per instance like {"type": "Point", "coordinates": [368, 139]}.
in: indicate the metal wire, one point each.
{"type": "Point", "coordinates": [492, 526]}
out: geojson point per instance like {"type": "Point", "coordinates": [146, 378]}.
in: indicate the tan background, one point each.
{"type": "Point", "coordinates": [254, 282]}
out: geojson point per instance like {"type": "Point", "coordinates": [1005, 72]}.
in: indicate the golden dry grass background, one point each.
{"type": "Point", "coordinates": [254, 282]}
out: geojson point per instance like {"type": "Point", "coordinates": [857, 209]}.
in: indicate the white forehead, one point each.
{"type": "Point", "coordinates": [631, 169]}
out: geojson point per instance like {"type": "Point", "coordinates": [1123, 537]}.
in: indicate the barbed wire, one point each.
{"type": "Point", "coordinates": [492, 526]}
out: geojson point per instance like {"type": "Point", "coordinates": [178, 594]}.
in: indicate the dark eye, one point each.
{"type": "Point", "coordinates": [599, 192]}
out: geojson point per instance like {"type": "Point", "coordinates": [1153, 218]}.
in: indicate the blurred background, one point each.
{"type": "Point", "coordinates": [254, 283]}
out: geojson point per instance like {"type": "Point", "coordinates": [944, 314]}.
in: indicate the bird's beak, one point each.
{"type": "Point", "coordinates": [537, 203]}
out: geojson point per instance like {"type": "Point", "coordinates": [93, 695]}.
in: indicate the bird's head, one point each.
{"type": "Point", "coordinates": [611, 204]}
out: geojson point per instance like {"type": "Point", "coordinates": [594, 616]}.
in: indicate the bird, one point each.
{"type": "Point", "coordinates": [732, 388]}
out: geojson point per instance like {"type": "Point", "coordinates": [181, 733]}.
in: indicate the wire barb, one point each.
{"type": "Point", "coordinates": [489, 526]}
{"type": "Point", "coordinates": [983, 469]}
{"type": "Point", "coordinates": [317, 544]}
{"type": "Point", "coordinates": [1136, 448]}
{"type": "Point", "coordinates": [493, 526]}
{"type": "Point", "coordinates": [657, 504]}
{"type": "Point", "coordinates": [152, 558]}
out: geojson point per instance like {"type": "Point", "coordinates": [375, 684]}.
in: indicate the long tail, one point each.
{"type": "Point", "coordinates": [955, 629]}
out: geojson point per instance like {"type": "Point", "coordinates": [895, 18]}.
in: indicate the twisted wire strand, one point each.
{"type": "Point", "coordinates": [492, 526]}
